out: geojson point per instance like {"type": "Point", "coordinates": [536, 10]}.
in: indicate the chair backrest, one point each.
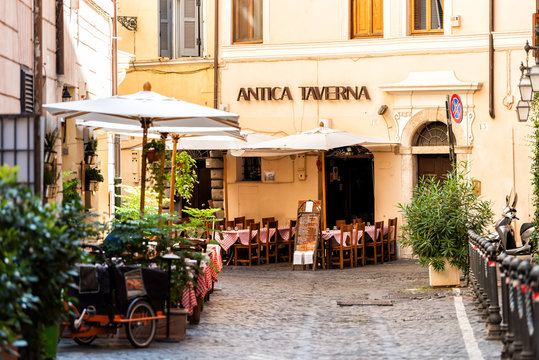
{"type": "Point", "coordinates": [292, 226]}
{"type": "Point", "coordinates": [357, 221]}
{"type": "Point", "coordinates": [340, 223]}
{"type": "Point", "coordinates": [230, 225]}
{"type": "Point", "coordinates": [347, 229]}
{"type": "Point", "coordinates": [378, 231]}
{"type": "Point", "coordinates": [240, 221]}
{"type": "Point", "coordinates": [248, 222]}
{"type": "Point", "coordinates": [272, 224]}
{"type": "Point", "coordinates": [392, 224]}
{"type": "Point", "coordinates": [254, 227]}
{"type": "Point", "coordinates": [266, 219]}
{"type": "Point", "coordinates": [359, 238]}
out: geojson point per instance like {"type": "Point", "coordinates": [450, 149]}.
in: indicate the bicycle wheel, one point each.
{"type": "Point", "coordinates": [140, 333]}
{"type": "Point", "coordinates": [87, 340]}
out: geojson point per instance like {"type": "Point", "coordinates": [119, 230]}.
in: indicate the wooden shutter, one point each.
{"type": "Point", "coordinates": [189, 28]}
{"type": "Point", "coordinates": [367, 18]}
{"type": "Point", "coordinates": [377, 17]}
{"type": "Point", "coordinates": [165, 28]}
{"type": "Point", "coordinates": [27, 91]}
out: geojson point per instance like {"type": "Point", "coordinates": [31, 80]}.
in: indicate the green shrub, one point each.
{"type": "Point", "coordinates": [437, 219]}
{"type": "Point", "coordinates": [38, 252]}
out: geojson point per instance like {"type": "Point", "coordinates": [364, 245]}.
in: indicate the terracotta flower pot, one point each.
{"type": "Point", "coordinates": [153, 155]}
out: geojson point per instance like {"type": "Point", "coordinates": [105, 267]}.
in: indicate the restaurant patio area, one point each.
{"type": "Point", "coordinates": [270, 312]}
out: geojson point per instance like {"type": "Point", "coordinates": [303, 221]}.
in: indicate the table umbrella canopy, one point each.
{"type": "Point", "coordinates": [321, 138]}
{"type": "Point", "coordinates": [130, 109]}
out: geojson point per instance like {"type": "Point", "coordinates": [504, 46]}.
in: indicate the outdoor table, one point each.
{"type": "Point", "coordinates": [228, 238]}
{"type": "Point", "coordinates": [209, 268]}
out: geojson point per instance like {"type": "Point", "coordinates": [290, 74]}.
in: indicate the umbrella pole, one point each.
{"type": "Point", "coordinates": [161, 171]}
{"type": "Point", "coordinates": [145, 123]}
{"type": "Point", "coordinates": [175, 139]}
{"type": "Point", "coordinates": [324, 187]}
{"type": "Point", "coordinates": [225, 186]}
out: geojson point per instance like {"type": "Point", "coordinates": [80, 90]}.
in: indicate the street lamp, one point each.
{"type": "Point", "coordinates": [523, 110]}
{"type": "Point", "coordinates": [525, 84]}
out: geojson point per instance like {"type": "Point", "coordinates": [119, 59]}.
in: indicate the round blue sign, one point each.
{"type": "Point", "coordinates": [457, 111]}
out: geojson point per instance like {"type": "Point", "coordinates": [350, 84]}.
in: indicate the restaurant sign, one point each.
{"type": "Point", "coordinates": [307, 93]}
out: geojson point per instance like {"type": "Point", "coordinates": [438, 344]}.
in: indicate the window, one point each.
{"type": "Point", "coordinates": [247, 21]}
{"type": "Point", "coordinates": [427, 16]}
{"type": "Point", "coordinates": [249, 169]}
{"type": "Point", "coordinates": [179, 28]}
{"type": "Point", "coordinates": [366, 18]}
{"type": "Point", "coordinates": [18, 144]}
{"type": "Point", "coordinates": [432, 134]}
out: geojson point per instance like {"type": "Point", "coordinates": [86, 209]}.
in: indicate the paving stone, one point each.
{"type": "Point", "coordinates": [272, 312]}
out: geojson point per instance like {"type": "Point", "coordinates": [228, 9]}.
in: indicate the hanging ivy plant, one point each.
{"type": "Point", "coordinates": [186, 175]}
{"type": "Point", "coordinates": [534, 118]}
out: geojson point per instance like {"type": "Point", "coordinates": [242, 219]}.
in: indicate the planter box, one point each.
{"type": "Point", "coordinates": [178, 326]}
{"type": "Point", "coordinates": [450, 276]}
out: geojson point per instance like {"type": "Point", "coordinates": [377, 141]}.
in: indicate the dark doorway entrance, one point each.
{"type": "Point", "coordinates": [202, 189]}
{"type": "Point", "coordinates": [436, 165]}
{"type": "Point", "coordinates": [349, 188]}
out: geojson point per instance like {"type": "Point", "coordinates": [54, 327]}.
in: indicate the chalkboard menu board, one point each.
{"type": "Point", "coordinates": [307, 232]}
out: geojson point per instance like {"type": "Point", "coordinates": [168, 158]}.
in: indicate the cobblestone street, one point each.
{"type": "Point", "coordinates": [271, 312]}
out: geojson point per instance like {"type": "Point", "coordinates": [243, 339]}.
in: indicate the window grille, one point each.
{"type": "Point", "coordinates": [432, 134]}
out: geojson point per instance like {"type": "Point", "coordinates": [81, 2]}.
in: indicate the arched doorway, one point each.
{"type": "Point", "coordinates": [349, 184]}
{"type": "Point", "coordinates": [432, 165]}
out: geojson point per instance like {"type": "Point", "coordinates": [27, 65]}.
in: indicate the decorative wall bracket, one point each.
{"type": "Point", "coordinates": [128, 22]}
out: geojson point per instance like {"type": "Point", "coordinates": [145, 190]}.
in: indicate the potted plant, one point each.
{"type": "Point", "coordinates": [90, 151]}
{"type": "Point", "coordinates": [92, 176]}
{"type": "Point", "coordinates": [50, 177]}
{"type": "Point", "coordinates": [437, 219]}
{"type": "Point", "coordinates": [49, 144]}
{"type": "Point", "coordinates": [154, 150]}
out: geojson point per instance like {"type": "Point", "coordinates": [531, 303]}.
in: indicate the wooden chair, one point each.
{"type": "Point", "coordinates": [266, 219]}
{"type": "Point", "coordinates": [230, 224]}
{"type": "Point", "coordinates": [376, 244]}
{"type": "Point", "coordinates": [285, 247]}
{"type": "Point", "coordinates": [344, 252]}
{"type": "Point", "coordinates": [357, 221]}
{"type": "Point", "coordinates": [248, 222]}
{"type": "Point", "coordinates": [359, 244]}
{"type": "Point", "coordinates": [340, 223]}
{"type": "Point", "coordinates": [269, 245]}
{"type": "Point", "coordinates": [240, 222]}
{"type": "Point", "coordinates": [253, 248]}
{"type": "Point", "coordinates": [392, 239]}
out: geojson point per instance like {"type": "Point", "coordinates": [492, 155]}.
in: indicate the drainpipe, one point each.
{"type": "Point", "coordinates": [216, 57]}
{"type": "Point", "coordinates": [117, 148]}
{"type": "Point", "coordinates": [38, 91]}
{"type": "Point", "coordinates": [491, 59]}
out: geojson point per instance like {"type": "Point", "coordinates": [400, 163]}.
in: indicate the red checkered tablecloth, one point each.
{"type": "Point", "coordinates": [227, 238]}
{"type": "Point", "coordinates": [284, 232]}
{"type": "Point", "coordinates": [189, 299]}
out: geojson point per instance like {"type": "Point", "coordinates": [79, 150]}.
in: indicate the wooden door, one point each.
{"type": "Point", "coordinates": [436, 165]}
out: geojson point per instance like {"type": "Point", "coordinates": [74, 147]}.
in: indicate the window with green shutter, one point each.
{"type": "Point", "coordinates": [179, 28]}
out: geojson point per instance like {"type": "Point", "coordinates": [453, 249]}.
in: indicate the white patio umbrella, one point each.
{"type": "Point", "coordinates": [320, 138]}
{"type": "Point", "coordinates": [151, 112]}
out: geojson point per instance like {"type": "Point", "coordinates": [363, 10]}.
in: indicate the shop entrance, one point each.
{"type": "Point", "coordinates": [434, 165]}
{"type": "Point", "coordinates": [349, 185]}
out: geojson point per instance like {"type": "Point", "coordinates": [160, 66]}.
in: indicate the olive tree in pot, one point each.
{"type": "Point", "coordinates": [437, 219]}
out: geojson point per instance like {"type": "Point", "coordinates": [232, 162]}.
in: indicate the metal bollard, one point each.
{"type": "Point", "coordinates": [509, 336]}
{"type": "Point", "coordinates": [504, 304]}
{"type": "Point", "coordinates": [494, 318]}
{"type": "Point", "coordinates": [525, 313]}
{"type": "Point", "coordinates": [482, 280]}
{"type": "Point", "coordinates": [534, 284]}
{"type": "Point", "coordinates": [516, 346]}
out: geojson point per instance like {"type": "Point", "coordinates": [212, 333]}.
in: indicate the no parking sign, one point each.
{"type": "Point", "coordinates": [456, 108]}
